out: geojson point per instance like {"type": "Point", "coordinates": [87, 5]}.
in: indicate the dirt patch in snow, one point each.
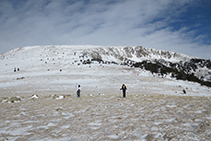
{"type": "Point", "coordinates": [106, 117]}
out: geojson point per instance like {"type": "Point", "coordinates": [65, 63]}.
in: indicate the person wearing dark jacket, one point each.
{"type": "Point", "coordinates": [78, 90]}
{"type": "Point", "coordinates": [124, 88]}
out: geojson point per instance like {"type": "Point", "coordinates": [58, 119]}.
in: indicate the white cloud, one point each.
{"type": "Point", "coordinates": [120, 22]}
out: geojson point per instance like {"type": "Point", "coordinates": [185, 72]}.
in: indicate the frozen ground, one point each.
{"type": "Point", "coordinates": [106, 117]}
{"type": "Point", "coordinates": [156, 108]}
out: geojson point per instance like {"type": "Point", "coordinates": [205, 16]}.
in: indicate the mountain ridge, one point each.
{"type": "Point", "coordinates": [65, 55]}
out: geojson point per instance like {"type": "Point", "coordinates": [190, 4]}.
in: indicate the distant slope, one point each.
{"type": "Point", "coordinates": [54, 57]}
{"type": "Point", "coordinates": [200, 68]}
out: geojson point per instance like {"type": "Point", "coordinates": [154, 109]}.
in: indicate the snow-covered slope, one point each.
{"type": "Point", "coordinates": [99, 69]}
{"type": "Point", "coordinates": [38, 95]}
{"type": "Point", "coordinates": [136, 54]}
{"type": "Point", "coordinates": [46, 57]}
{"type": "Point", "coordinates": [63, 56]}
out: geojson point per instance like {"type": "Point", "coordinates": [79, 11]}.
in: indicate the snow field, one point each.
{"type": "Point", "coordinates": [99, 79]}
{"type": "Point", "coordinates": [106, 117]}
{"type": "Point", "coordinates": [39, 101]}
{"type": "Point", "coordinates": [58, 69]}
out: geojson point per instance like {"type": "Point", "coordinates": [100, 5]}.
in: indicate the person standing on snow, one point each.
{"type": "Point", "coordinates": [78, 90]}
{"type": "Point", "coordinates": [124, 88]}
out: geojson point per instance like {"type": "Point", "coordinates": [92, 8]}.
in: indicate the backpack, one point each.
{"type": "Point", "coordinates": [123, 87]}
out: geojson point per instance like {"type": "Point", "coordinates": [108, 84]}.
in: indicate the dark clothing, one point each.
{"type": "Point", "coordinates": [124, 88]}
{"type": "Point", "coordinates": [78, 93]}
{"type": "Point", "coordinates": [78, 90]}
{"type": "Point", "coordinates": [124, 93]}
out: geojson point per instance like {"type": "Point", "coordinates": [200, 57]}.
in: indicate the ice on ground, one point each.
{"type": "Point", "coordinates": [51, 124]}
{"type": "Point", "coordinates": [113, 136]}
{"type": "Point", "coordinates": [67, 115]}
{"type": "Point", "coordinates": [107, 117]}
{"type": "Point", "coordinates": [60, 97]}
{"type": "Point", "coordinates": [65, 126]}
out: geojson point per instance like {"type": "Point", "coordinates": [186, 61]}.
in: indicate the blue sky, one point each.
{"type": "Point", "coordinates": [182, 26]}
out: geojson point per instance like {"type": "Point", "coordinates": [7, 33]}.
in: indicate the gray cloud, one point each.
{"type": "Point", "coordinates": [109, 23]}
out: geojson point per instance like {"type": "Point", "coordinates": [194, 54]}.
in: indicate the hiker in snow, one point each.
{"type": "Point", "coordinates": [78, 90]}
{"type": "Point", "coordinates": [124, 88]}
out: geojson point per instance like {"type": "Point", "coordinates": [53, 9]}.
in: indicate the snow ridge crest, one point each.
{"type": "Point", "coordinates": [64, 55]}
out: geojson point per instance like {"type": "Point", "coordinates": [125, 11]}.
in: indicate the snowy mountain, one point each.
{"type": "Point", "coordinates": [63, 55]}
{"type": "Point", "coordinates": [197, 67]}
{"type": "Point", "coordinates": [60, 68]}
{"type": "Point", "coordinates": [38, 94]}
{"type": "Point", "coordinates": [51, 57]}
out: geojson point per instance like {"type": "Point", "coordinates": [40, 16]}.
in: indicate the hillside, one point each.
{"type": "Point", "coordinates": [61, 68]}
{"type": "Point", "coordinates": [38, 94]}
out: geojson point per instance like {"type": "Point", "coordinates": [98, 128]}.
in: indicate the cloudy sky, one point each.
{"type": "Point", "coordinates": [175, 25]}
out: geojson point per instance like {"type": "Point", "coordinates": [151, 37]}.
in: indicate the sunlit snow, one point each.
{"type": "Point", "coordinates": [38, 100]}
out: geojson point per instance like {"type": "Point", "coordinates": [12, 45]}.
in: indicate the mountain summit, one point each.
{"type": "Point", "coordinates": [64, 56]}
